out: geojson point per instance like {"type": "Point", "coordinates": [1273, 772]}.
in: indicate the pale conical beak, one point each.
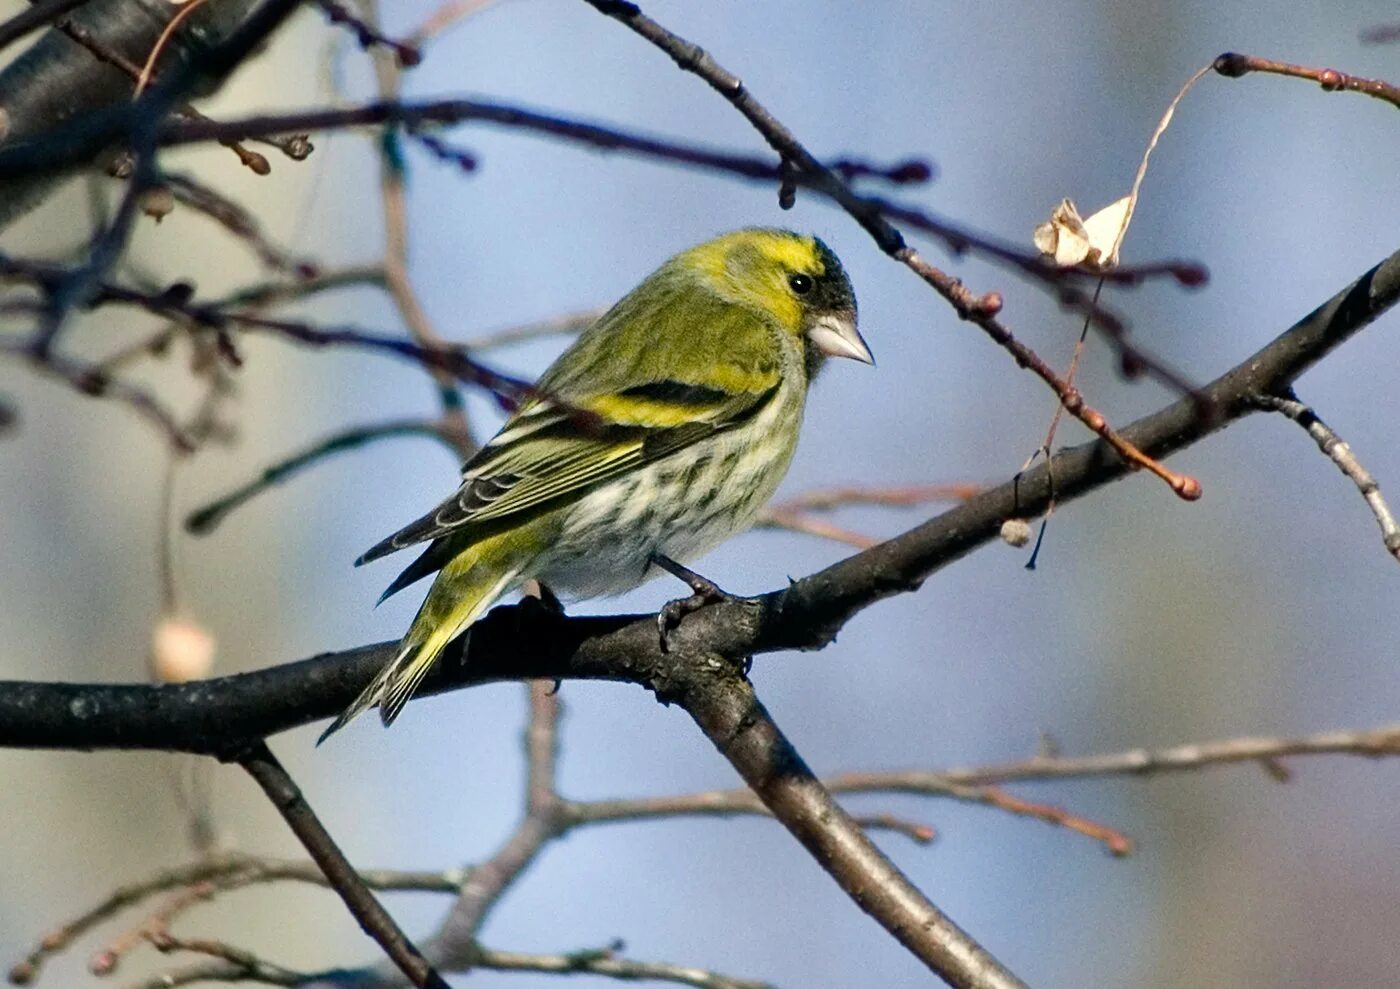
{"type": "Point", "coordinates": [835, 335]}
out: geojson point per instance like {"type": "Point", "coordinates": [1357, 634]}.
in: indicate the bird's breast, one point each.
{"type": "Point", "coordinates": [681, 506]}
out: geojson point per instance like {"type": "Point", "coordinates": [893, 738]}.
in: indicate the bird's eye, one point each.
{"type": "Point", "coordinates": [801, 284]}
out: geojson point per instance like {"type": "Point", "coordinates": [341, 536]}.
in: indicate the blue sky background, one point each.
{"type": "Point", "coordinates": [1266, 608]}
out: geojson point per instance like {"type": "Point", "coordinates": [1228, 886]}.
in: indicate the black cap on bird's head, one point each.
{"type": "Point", "coordinates": [830, 303]}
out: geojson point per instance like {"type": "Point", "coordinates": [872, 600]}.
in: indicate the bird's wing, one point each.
{"type": "Point", "coordinates": [556, 449]}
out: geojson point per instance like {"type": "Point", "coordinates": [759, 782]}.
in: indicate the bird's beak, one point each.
{"type": "Point", "coordinates": [835, 335]}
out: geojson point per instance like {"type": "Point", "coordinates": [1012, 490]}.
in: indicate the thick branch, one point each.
{"type": "Point", "coordinates": [722, 702]}
{"type": "Point", "coordinates": [209, 716]}
{"type": "Point", "coordinates": [58, 80]}
{"type": "Point", "coordinates": [264, 767]}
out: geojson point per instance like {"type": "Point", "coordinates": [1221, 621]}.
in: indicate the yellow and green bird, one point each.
{"type": "Point", "coordinates": [662, 431]}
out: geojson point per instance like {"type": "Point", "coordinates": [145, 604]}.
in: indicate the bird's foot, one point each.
{"type": "Point", "coordinates": [548, 599]}
{"type": "Point", "coordinates": [539, 600]}
{"type": "Point", "coordinates": [703, 591]}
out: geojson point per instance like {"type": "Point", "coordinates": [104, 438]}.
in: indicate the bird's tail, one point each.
{"type": "Point", "coordinates": [465, 588]}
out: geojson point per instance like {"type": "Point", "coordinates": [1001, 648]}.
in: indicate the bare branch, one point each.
{"type": "Point", "coordinates": [449, 13]}
{"type": "Point", "coordinates": [248, 969]}
{"type": "Point", "coordinates": [263, 766]}
{"type": "Point", "coordinates": [1232, 65]}
{"type": "Point", "coordinates": [567, 324]}
{"type": "Point", "coordinates": [394, 209]}
{"type": "Point", "coordinates": [212, 715]}
{"type": "Point", "coordinates": [723, 704]}
{"type": "Point", "coordinates": [175, 303]}
{"type": "Point", "coordinates": [277, 292]}
{"type": "Point", "coordinates": [417, 116]}
{"type": "Point", "coordinates": [1334, 448]}
{"type": "Point", "coordinates": [1380, 34]}
{"type": "Point", "coordinates": [712, 803]}
{"type": "Point", "coordinates": [234, 218]}
{"type": "Point", "coordinates": [91, 379]}
{"type": "Point", "coordinates": [795, 514]}
{"type": "Point", "coordinates": [369, 36]}
{"type": "Point", "coordinates": [726, 803]}
{"type": "Point", "coordinates": [104, 52]}
{"type": "Point", "coordinates": [222, 872]}
{"type": "Point", "coordinates": [92, 95]}
{"type": "Point", "coordinates": [1374, 743]}
{"type": "Point", "coordinates": [981, 310]}
{"type": "Point", "coordinates": [606, 963]}
{"type": "Point", "coordinates": [205, 520]}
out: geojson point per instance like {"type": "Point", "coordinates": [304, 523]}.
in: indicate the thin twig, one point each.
{"type": "Point", "coordinates": [605, 962]}
{"type": "Point", "coordinates": [983, 310]}
{"type": "Point", "coordinates": [1232, 65]}
{"type": "Point", "coordinates": [826, 499]}
{"type": "Point", "coordinates": [369, 36]}
{"type": "Point", "coordinates": [175, 302]}
{"type": "Point", "coordinates": [792, 520]}
{"type": "Point", "coordinates": [280, 291]}
{"type": "Point", "coordinates": [444, 17]}
{"type": "Point", "coordinates": [1373, 743]}
{"type": "Point", "coordinates": [151, 928]}
{"type": "Point", "coordinates": [565, 325]}
{"type": "Point", "coordinates": [1334, 448]}
{"type": "Point", "coordinates": [388, 73]}
{"type": "Point", "coordinates": [137, 124]}
{"type": "Point", "coordinates": [724, 803]}
{"type": "Point", "coordinates": [1380, 34]}
{"type": "Point", "coordinates": [141, 75]}
{"type": "Point", "coordinates": [823, 181]}
{"type": "Point", "coordinates": [979, 309]}
{"type": "Point", "coordinates": [76, 287]}
{"type": "Point", "coordinates": [205, 520]}
{"type": "Point", "coordinates": [225, 871]}
{"type": "Point", "coordinates": [715, 803]}
{"type": "Point", "coordinates": [795, 514]}
{"type": "Point", "coordinates": [221, 970]}
{"type": "Point", "coordinates": [90, 379]}
{"type": "Point", "coordinates": [238, 221]}
{"type": "Point", "coordinates": [232, 870]}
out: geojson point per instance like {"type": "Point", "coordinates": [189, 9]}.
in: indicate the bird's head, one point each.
{"type": "Point", "coordinates": [794, 278]}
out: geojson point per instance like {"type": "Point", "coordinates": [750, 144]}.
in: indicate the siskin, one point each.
{"type": "Point", "coordinates": [661, 432]}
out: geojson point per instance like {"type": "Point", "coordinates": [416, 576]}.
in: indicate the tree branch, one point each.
{"type": "Point", "coordinates": [264, 767]}
{"type": "Point", "coordinates": [57, 80]}
{"type": "Point", "coordinates": [209, 716]}
{"type": "Point", "coordinates": [606, 963]}
{"type": "Point", "coordinates": [800, 166]}
{"type": "Point", "coordinates": [39, 15]}
{"type": "Point", "coordinates": [1337, 450]}
{"type": "Point", "coordinates": [720, 698]}
{"type": "Point", "coordinates": [1375, 743]}
{"type": "Point", "coordinates": [204, 520]}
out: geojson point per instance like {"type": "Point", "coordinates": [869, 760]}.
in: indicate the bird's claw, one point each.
{"type": "Point", "coordinates": [703, 591]}
{"type": "Point", "coordinates": [548, 599]}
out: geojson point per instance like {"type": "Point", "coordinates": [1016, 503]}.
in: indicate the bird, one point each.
{"type": "Point", "coordinates": [660, 432]}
